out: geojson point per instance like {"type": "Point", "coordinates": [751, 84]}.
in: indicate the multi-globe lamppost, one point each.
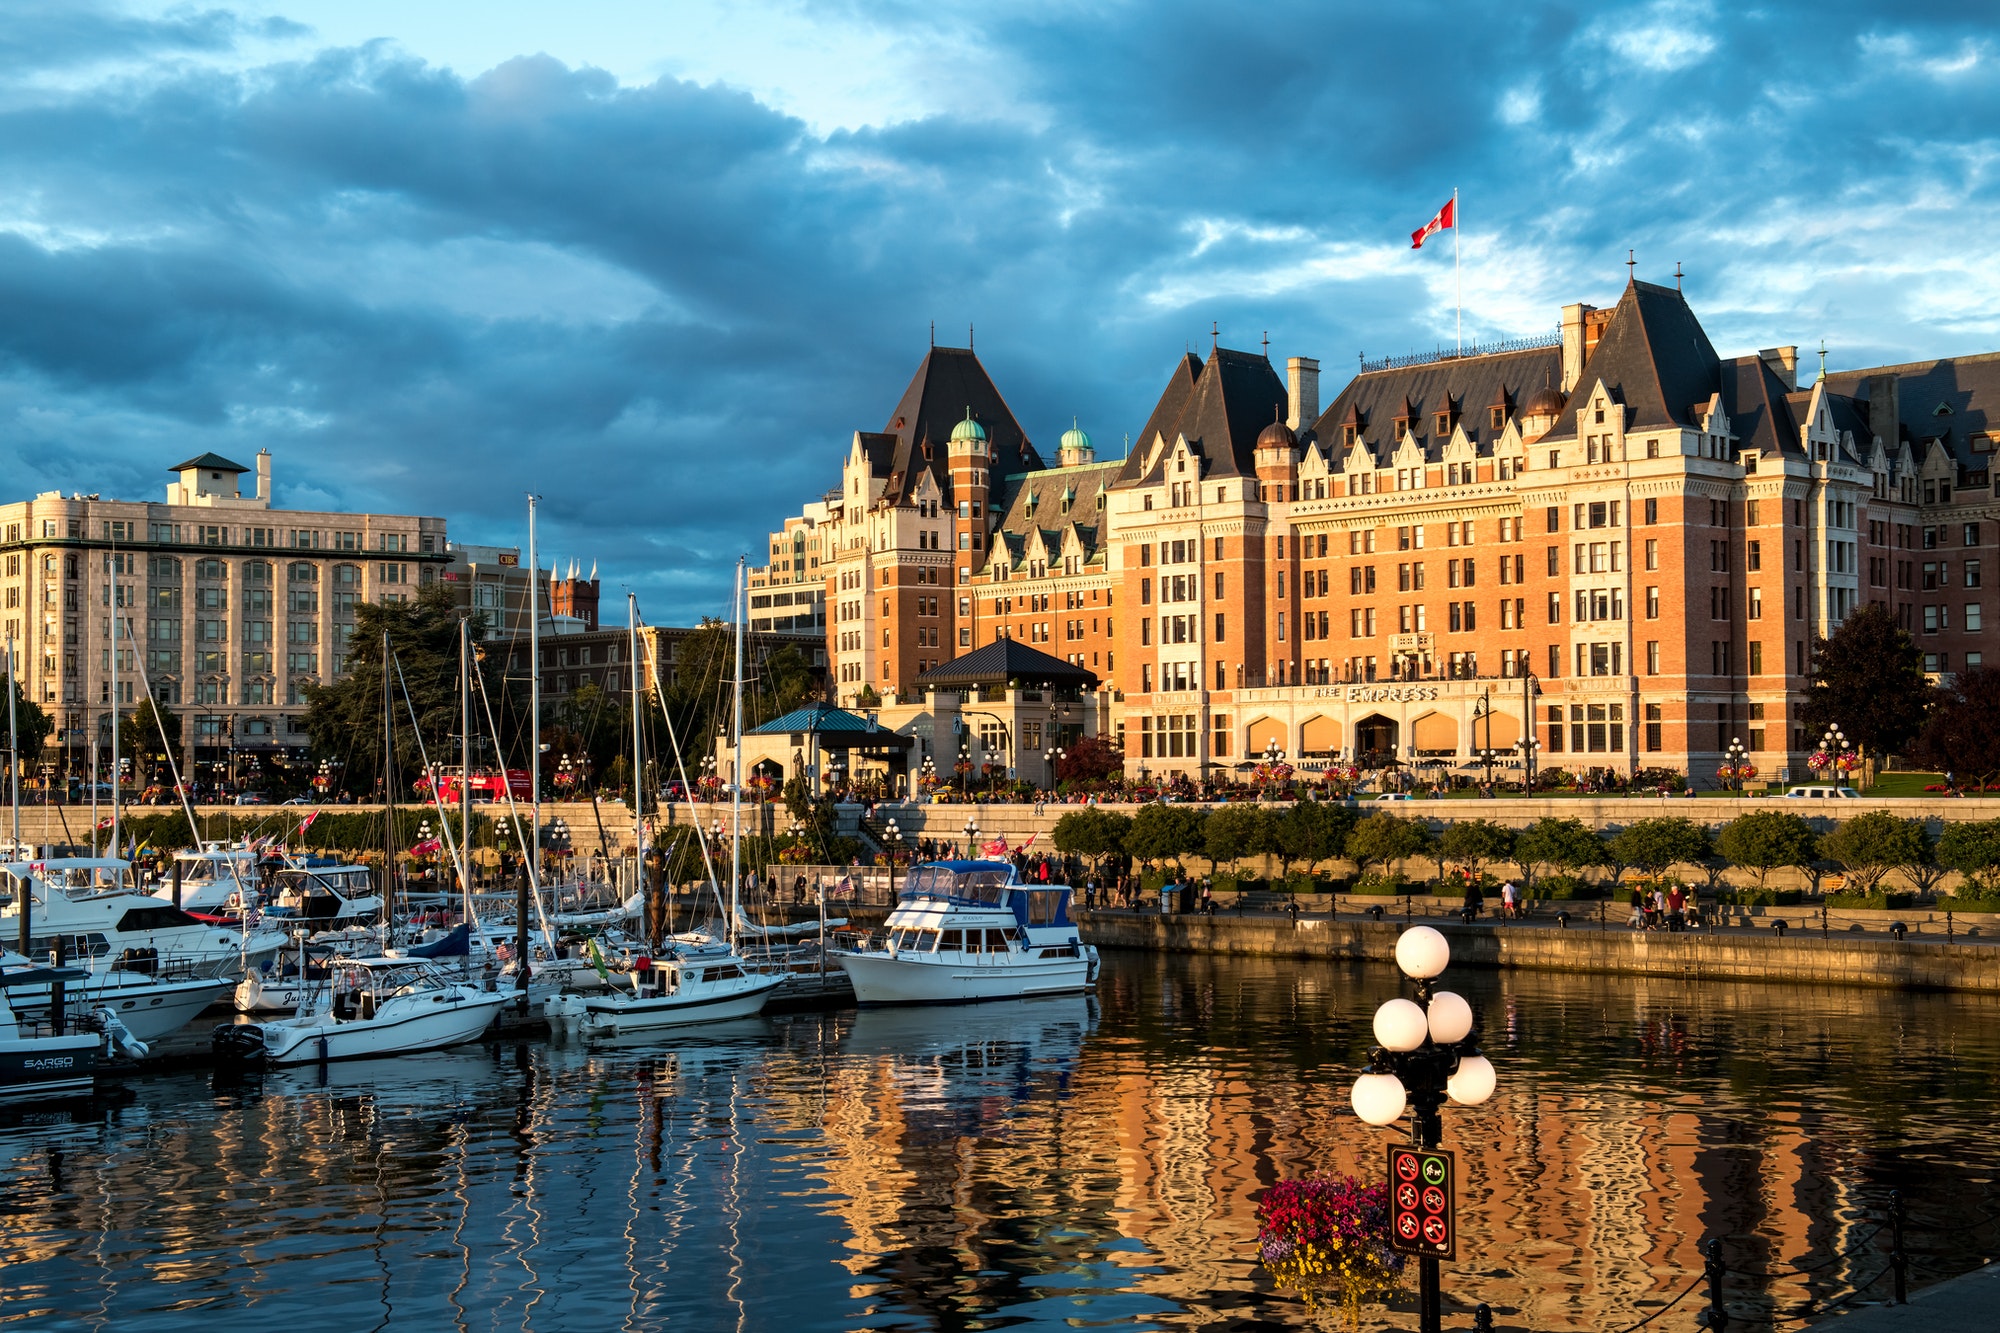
{"type": "Point", "coordinates": [1428, 1052]}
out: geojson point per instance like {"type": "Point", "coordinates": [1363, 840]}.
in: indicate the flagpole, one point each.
{"type": "Point", "coordinates": [1457, 272]}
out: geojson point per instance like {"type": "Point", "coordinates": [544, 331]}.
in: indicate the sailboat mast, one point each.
{"type": "Point", "coordinates": [534, 706]}
{"type": "Point", "coordinates": [638, 747]}
{"type": "Point", "coordinates": [388, 803]}
{"type": "Point", "coordinates": [465, 762]}
{"type": "Point", "coordinates": [736, 787]}
{"type": "Point", "coordinates": [14, 757]}
{"type": "Point", "coordinates": [116, 788]}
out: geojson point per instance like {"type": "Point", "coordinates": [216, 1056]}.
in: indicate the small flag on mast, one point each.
{"type": "Point", "coordinates": [1445, 219]}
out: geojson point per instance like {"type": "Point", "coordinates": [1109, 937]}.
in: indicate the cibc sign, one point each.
{"type": "Point", "coordinates": [1422, 1219]}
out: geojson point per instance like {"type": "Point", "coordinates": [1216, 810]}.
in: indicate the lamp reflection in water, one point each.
{"type": "Point", "coordinates": [1426, 1051]}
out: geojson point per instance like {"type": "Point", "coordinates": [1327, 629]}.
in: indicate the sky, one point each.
{"type": "Point", "coordinates": [657, 262]}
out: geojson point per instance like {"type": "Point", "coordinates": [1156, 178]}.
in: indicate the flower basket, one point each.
{"type": "Point", "coordinates": [1327, 1238]}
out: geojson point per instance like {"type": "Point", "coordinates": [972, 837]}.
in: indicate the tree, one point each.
{"type": "Point", "coordinates": [1383, 839]}
{"type": "Point", "coordinates": [34, 726]}
{"type": "Point", "coordinates": [140, 734]}
{"type": "Point", "coordinates": [1312, 832]}
{"type": "Point", "coordinates": [1962, 734]}
{"type": "Point", "coordinates": [1165, 833]}
{"type": "Point", "coordinates": [1871, 845]}
{"type": "Point", "coordinates": [1092, 759]}
{"type": "Point", "coordinates": [1566, 844]}
{"type": "Point", "coordinates": [1652, 845]}
{"type": "Point", "coordinates": [1091, 832]}
{"type": "Point", "coordinates": [344, 718]}
{"type": "Point", "coordinates": [1236, 831]}
{"type": "Point", "coordinates": [1766, 839]}
{"type": "Point", "coordinates": [1869, 680]}
{"type": "Point", "coordinates": [1473, 842]}
{"type": "Point", "coordinates": [1973, 850]}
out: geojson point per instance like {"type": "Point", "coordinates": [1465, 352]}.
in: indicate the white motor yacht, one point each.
{"type": "Point", "coordinates": [373, 1007]}
{"type": "Point", "coordinates": [149, 1007]}
{"type": "Point", "coordinates": [687, 985]}
{"type": "Point", "coordinates": [973, 930]}
{"type": "Point", "coordinates": [216, 879]}
{"type": "Point", "coordinates": [335, 897]}
{"type": "Point", "coordinates": [34, 1060]}
{"type": "Point", "coordinates": [110, 923]}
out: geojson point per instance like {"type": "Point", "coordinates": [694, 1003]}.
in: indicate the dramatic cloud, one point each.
{"type": "Point", "coordinates": [664, 303]}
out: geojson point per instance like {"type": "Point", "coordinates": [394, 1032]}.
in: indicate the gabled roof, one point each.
{"type": "Point", "coordinates": [1045, 489]}
{"type": "Point", "coordinates": [209, 463]}
{"type": "Point", "coordinates": [1966, 387]}
{"type": "Point", "coordinates": [1760, 410]}
{"type": "Point", "coordinates": [949, 382]}
{"type": "Point", "coordinates": [1222, 412]}
{"type": "Point", "coordinates": [1375, 399]}
{"type": "Point", "coordinates": [1004, 660]}
{"type": "Point", "coordinates": [837, 727]}
{"type": "Point", "coordinates": [1180, 385]}
{"type": "Point", "coordinates": [1654, 357]}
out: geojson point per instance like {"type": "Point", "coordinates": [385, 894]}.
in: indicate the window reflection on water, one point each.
{"type": "Point", "coordinates": [1035, 1164]}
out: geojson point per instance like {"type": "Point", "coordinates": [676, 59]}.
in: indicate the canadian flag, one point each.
{"type": "Point", "coordinates": [307, 822]}
{"type": "Point", "coordinates": [1445, 218]}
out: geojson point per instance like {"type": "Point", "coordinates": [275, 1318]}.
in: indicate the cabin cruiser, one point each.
{"type": "Point", "coordinates": [149, 1007]}
{"type": "Point", "coordinates": [216, 879]}
{"type": "Point", "coordinates": [36, 1061]}
{"type": "Point", "coordinates": [373, 1007]}
{"type": "Point", "coordinates": [973, 930]}
{"type": "Point", "coordinates": [691, 982]}
{"type": "Point", "coordinates": [108, 922]}
{"type": "Point", "coordinates": [333, 897]}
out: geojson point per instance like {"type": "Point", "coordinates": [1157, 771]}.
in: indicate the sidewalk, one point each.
{"type": "Point", "coordinates": [1968, 1304]}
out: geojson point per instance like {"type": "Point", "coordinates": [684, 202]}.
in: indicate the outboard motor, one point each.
{"type": "Point", "coordinates": [118, 1035]}
{"type": "Point", "coordinates": [237, 1043]}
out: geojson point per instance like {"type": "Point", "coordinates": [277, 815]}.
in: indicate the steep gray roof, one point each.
{"type": "Point", "coordinates": [1471, 385]}
{"type": "Point", "coordinates": [1654, 357]}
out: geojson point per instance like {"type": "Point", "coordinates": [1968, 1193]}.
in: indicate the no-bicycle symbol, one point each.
{"type": "Point", "coordinates": [1421, 1213]}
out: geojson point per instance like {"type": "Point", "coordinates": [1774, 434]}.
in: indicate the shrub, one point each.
{"type": "Point", "coordinates": [1760, 897]}
{"type": "Point", "coordinates": [1879, 902]}
{"type": "Point", "coordinates": [1567, 888]}
{"type": "Point", "coordinates": [1380, 886]}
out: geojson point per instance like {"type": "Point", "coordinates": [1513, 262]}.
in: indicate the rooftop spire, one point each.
{"type": "Point", "coordinates": [1631, 267]}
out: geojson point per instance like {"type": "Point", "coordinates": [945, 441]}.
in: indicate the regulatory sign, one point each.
{"type": "Point", "coordinates": [1421, 1217]}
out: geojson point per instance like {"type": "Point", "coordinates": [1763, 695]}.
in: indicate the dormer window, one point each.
{"type": "Point", "coordinates": [1497, 418]}
{"type": "Point", "coordinates": [1600, 414]}
{"type": "Point", "coordinates": [1443, 424]}
{"type": "Point", "coordinates": [1347, 437]}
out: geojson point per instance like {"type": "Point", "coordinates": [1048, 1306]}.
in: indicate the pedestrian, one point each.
{"type": "Point", "coordinates": [1509, 901]}
{"type": "Point", "coordinates": [1475, 898]}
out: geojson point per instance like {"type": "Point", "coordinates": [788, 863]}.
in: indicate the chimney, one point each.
{"type": "Point", "coordinates": [1784, 363]}
{"type": "Point", "coordinates": [264, 475]}
{"type": "Point", "coordinates": [1302, 385]}
{"type": "Point", "coordinates": [1885, 398]}
{"type": "Point", "coordinates": [1575, 352]}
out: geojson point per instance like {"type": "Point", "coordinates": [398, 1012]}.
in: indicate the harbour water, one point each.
{"type": "Point", "coordinates": [1056, 1164]}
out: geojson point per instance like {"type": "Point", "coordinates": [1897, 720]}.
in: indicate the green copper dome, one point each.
{"type": "Point", "coordinates": [1074, 438]}
{"type": "Point", "coordinates": [968, 429]}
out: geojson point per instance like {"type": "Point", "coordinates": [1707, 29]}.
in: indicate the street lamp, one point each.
{"type": "Point", "coordinates": [1526, 747]}
{"type": "Point", "coordinates": [1733, 760]}
{"type": "Point", "coordinates": [1834, 754]}
{"type": "Point", "coordinates": [1428, 1051]}
{"type": "Point", "coordinates": [965, 769]}
{"type": "Point", "coordinates": [971, 833]}
{"type": "Point", "coordinates": [1052, 756]}
{"type": "Point", "coordinates": [895, 835]}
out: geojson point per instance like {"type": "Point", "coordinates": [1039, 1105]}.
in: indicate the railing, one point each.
{"type": "Point", "coordinates": [1451, 354]}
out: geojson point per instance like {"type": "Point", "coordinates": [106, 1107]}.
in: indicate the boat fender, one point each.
{"type": "Point", "coordinates": [119, 1036]}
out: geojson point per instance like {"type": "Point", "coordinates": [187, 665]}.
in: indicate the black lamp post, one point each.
{"type": "Point", "coordinates": [971, 833]}
{"type": "Point", "coordinates": [1428, 1051]}
{"type": "Point", "coordinates": [895, 834]}
{"type": "Point", "coordinates": [1526, 747]}
{"type": "Point", "coordinates": [1734, 757]}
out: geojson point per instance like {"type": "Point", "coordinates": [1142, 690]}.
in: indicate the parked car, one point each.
{"type": "Point", "coordinates": [252, 798]}
{"type": "Point", "coordinates": [301, 800]}
{"type": "Point", "coordinates": [1396, 796]}
{"type": "Point", "coordinates": [1823, 794]}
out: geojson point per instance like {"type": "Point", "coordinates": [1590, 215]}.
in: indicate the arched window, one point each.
{"type": "Point", "coordinates": [257, 571]}
{"type": "Point", "coordinates": [303, 571]}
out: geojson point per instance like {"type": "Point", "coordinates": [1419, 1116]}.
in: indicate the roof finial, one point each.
{"type": "Point", "coordinates": [1677, 275]}
{"type": "Point", "coordinates": [968, 339]}
{"type": "Point", "coordinates": [1214, 337]}
{"type": "Point", "coordinates": [1631, 267]}
{"type": "Point", "coordinates": [1822, 358]}
{"type": "Point", "coordinates": [1267, 344]}
{"type": "Point", "coordinates": [934, 333]}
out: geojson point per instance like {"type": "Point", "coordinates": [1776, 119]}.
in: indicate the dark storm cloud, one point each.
{"type": "Point", "coordinates": [666, 307]}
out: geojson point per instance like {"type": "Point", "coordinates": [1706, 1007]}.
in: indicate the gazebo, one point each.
{"type": "Point", "coordinates": [795, 742]}
{"type": "Point", "coordinates": [1006, 661]}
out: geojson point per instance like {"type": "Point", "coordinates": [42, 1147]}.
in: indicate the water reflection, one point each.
{"type": "Point", "coordinates": [1050, 1164]}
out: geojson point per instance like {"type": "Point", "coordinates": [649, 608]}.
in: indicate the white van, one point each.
{"type": "Point", "coordinates": [1823, 794]}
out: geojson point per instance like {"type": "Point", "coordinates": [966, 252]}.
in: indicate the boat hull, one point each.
{"type": "Point", "coordinates": [882, 978]}
{"type": "Point", "coordinates": [444, 1022]}
{"type": "Point", "coordinates": [148, 1009]}
{"type": "Point", "coordinates": [48, 1066]}
{"type": "Point", "coordinates": [622, 1016]}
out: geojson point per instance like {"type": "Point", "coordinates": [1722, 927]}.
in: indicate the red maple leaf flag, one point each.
{"type": "Point", "coordinates": [1445, 218]}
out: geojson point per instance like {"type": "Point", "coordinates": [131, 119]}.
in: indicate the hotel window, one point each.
{"type": "Point", "coordinates": [1972, 574]}
{"type": "Point", "coordinates": [1653, 727]}
{"type": "Point", "coordinates": [1652, 553]}
{"type": "Point", "coordinates": [1555, 608]}
{"type": "Point", "coordinates": [1652, 603]}
{"type": "Point", "coordinates": [1972, 620]}
{"type": "Point", "coordinates": [1756, 604]}
{"type": "Point", "coordinates": [1652, 657]}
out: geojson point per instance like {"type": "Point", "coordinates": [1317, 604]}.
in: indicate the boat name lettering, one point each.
{"type": "Point", "coordinates": [52, 1062]}
{"type": "Point", "coordinates": [1385, 694]}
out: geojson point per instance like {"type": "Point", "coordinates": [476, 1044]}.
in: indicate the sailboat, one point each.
{"type": "Point", "coordinates": [693, 980]}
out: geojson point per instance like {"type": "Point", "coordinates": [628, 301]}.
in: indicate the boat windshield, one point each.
{"type": "Point", "coordinates": [83, 881]}
{"type": "Point", "coordinates": [940, 882]}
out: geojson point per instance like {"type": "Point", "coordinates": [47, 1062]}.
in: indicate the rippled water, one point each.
{"type": "Point", "coordinates": [1048, 1164]}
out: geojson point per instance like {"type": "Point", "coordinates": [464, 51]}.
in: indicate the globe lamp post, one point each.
{"type": "Point", "coordinates": [1427, 1052]}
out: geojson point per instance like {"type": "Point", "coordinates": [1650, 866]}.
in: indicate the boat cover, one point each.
{"type": "Point", "coordinates": [458, 944]}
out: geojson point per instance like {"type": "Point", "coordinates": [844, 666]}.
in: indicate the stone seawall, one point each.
{"type": "Point", "coordinates": [1726, 956]}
